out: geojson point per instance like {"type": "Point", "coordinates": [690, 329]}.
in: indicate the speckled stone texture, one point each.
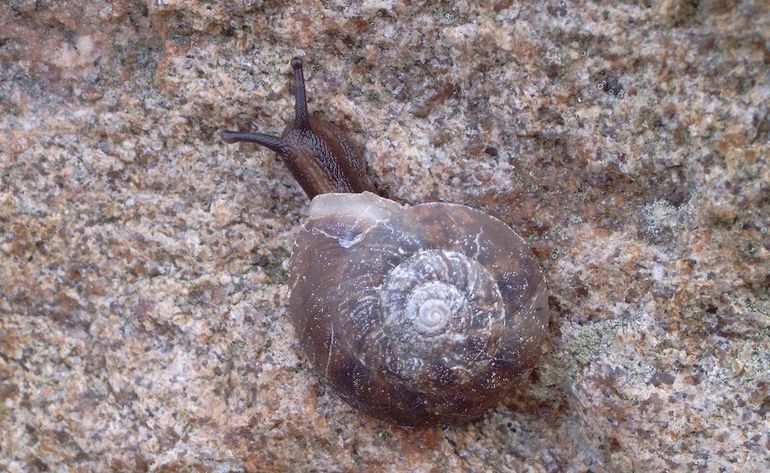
{"type": "Point", "coordinates": [142, 261]}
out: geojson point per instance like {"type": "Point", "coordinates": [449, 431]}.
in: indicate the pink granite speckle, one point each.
{"type": "Point", "coordinates": [142, 279]}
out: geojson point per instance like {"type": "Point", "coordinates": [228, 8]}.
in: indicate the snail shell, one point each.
{"type": "Point", "coordinates": [420, 315]}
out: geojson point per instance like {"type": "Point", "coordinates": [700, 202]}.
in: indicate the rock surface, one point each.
{"type": "Point", "coordinates": [142, 278]}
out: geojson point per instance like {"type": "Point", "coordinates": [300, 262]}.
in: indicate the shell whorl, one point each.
{"type": "Point", "coordinates": [420, 315]}
{"type": "Point", "coordinates": [441, 312]}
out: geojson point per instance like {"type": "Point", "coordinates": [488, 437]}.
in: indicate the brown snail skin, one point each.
{"type": "Point", "coordinates": [320, 157]}
{"type": "Point", "coordinates": [421, 315]}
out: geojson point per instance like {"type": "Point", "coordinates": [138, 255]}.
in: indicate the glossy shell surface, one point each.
{"type": "Point", "coordinates": [422, 315]}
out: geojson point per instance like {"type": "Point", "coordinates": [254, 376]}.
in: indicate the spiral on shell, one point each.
{"type": "Point", "coordinates": [422, 315]}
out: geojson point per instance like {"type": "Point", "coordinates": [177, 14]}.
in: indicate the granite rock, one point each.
{"type": "Point", "coordinates": [142, 261]}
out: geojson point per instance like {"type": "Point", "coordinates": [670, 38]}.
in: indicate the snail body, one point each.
{"type": "Point", "coordinates": [419, 315]}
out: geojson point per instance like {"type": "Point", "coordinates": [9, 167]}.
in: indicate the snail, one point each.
{"type": "Point", "coordinates": [422, 315]}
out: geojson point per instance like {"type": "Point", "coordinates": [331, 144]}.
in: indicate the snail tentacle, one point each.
{"type": "Point", "coordinates": [301, 116]}
{"type": "Point", "coordinates": [319, 156]}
